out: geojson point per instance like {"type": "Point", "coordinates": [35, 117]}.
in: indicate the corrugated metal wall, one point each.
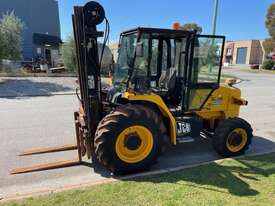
{"type": "Point", "coordinates": [39, 16]}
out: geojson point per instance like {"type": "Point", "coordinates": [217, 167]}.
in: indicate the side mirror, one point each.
{"type": "Point", "coordinates": [139, 49]}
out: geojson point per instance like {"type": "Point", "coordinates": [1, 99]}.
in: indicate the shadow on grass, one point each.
{"type": "Point", "coordinates": [233, 177]}
{"type": "Point", "coordinates": [24, 88]}
{"type": "Point", "coordinates": [212, 177]}
{"type": "Point", "coordinates": [230, 178]}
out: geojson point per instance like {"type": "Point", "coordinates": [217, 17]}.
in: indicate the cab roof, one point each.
{"type": "Point", "coordinates": [159, 31]}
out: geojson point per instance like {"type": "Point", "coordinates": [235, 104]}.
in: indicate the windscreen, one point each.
{"type": "Point", "coordinates": [126, 55]}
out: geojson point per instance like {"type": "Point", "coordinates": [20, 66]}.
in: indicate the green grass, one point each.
{"type": "Point", "coordinates": [248, 181]}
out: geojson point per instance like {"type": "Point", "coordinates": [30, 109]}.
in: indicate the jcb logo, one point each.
{"type": "Point", "coordinates": [183, 127]}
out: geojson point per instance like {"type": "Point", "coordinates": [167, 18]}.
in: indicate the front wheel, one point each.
{"type": "Point", "coordinates": [232, 137]}
{"type": "Point", "coordinates": [129, 139]}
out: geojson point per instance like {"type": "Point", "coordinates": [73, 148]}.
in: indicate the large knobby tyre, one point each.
{"type": "Point", "coordinates": [129, 139]}
{"type": "Point", "coordinates": [232, 137]}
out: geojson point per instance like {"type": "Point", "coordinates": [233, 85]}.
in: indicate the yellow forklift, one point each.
{"type": "Point", "coordinates": [165, 90]}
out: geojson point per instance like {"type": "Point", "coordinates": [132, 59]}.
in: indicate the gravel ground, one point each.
{"type": "Point", "coordinates": [30, 86]}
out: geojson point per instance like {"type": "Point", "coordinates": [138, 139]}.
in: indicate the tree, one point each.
{"type": "Point", "coordinates": [1, 46]}
{"type": "Point", "coordinates": [68, 54]}
{"type": "Point", "coordinates": [191, 26]}
{"type": "Point", "coordinates": [269, 43]}
{"type": "Point", "coordinates": [209, 50]}
{"type": "Point", "coordinates": [270, 20]}
{"type": "Point", "coordinates": [11, 28]}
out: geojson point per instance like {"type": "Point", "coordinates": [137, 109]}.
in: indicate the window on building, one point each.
{"type": "Point", "coordinates": [38, 50]}
{"type": "Point", "coordinates": [229, 51]}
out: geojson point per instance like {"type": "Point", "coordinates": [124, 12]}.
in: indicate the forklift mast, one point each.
{"type": "Point", "coordinates": [85, 20]}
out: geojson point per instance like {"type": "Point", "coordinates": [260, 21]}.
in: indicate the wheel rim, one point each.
{"type": "Point", "coordinates": [236, 140]}
{"type": "Point", "coordinates": [134, 144]}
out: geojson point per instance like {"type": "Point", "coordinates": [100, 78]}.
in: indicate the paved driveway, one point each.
{"type": "Point", "coordinates": [47, 121]}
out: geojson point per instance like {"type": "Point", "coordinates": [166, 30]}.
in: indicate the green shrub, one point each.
{"type": "Point", "coordinates": [69, 55]}
{"type": "Point", "coordinates": [11, 29]}
{"type": "Point", "coordinates": [268, 64]}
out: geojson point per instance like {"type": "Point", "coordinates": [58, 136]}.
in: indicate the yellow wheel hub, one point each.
{"type": "Point", "coordinates": [236, 140]}
{"type": "Point", "coordinates": [134, 144]}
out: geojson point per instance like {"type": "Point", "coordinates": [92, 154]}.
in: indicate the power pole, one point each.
{"type": "Point", "coordinates": [214, 22]}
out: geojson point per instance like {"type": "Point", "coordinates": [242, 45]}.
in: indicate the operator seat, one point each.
{"type": "Point", "coordinates": [167, 80]}
{"type": "Point", "coordinates": [170, 87]}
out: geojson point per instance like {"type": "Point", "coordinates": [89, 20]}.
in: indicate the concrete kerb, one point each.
{"type": "Point", "coordinates": [113, 179]}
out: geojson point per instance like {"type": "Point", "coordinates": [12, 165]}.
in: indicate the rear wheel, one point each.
{"type": "Point", "coordinates": [232, 137]}
{"type": "Point", "coordinates": [129, 139]}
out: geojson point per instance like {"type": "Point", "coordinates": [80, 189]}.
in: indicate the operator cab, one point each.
{"type": "Point", "coordinates": [180, 66]}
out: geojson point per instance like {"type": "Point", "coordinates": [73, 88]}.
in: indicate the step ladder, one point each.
{"type": "Point", "coordinates": [186, 139]}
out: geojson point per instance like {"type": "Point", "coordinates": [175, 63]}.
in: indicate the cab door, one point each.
{"type": "Point", "coordinates": [203, 71]}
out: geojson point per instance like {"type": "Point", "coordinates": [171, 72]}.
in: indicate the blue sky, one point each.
{"type": "Point", "coordinates": [237, 19]}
